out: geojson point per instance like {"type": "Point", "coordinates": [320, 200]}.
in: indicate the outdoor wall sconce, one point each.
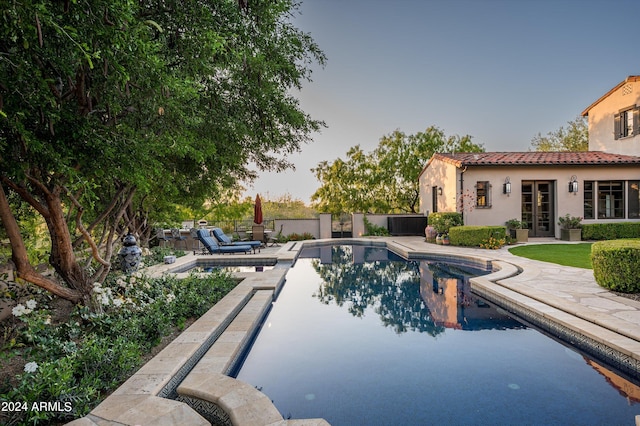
{"type": "Point", "coordinates": [573, 185]}
{"type": "Point", "coordinates": [439, 190]}
{"type": "Point", "coordinates": [506, 187]}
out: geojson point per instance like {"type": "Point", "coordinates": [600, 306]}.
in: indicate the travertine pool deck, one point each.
{"type": "Point", "coordinates": [191, 373]}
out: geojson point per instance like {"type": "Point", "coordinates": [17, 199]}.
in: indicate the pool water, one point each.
{"type": "Point", "coordinates": [359, 336]}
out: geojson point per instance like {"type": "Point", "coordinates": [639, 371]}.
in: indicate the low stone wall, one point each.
{"type": "Point", "coordinates": [298, 226]}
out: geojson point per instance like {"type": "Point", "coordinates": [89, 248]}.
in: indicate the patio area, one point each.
{"type": "Point", "coordinates": [563, 300]}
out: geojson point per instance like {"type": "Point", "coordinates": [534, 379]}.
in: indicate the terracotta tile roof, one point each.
{"type": "Point", "coordinates": [535, 158]}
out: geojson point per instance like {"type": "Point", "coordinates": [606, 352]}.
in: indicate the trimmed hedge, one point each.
{"type": "Point", "coordinates": [616, 264]}
{"type": "Point", "coordinates": [610, 231]}
{"type": "Point", "coordinates": [473, 236]}
{"type": "Point", "coordinates": [442, 221]}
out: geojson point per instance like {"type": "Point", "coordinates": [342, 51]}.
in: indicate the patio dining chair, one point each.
{"type": "Point", "coordinates": [258, 233]}
{"type": "Point", "coordinates": [275, 239]}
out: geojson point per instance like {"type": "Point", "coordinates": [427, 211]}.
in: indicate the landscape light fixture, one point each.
{"type": "Point", "coordinates": [439, 190]}
{"type": "Point", "coordinates": [506, 187]}
{"type": "Point", "coordinates": [573, 185]}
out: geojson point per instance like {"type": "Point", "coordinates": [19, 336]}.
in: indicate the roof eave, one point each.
{"type": "Point", "coordinates": [631, 78]}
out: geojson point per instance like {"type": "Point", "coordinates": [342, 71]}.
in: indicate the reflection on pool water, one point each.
{"type": "Point", "coordinates": [360, 336]}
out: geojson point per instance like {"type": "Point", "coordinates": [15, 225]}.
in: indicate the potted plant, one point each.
{"type": "Point", "coordinates": [518, 230]}
{"type": "Point", "coordinates": [570, 228]}
{"type": "Point", "coordinates": [441, 222]}
{"type": "Point", "coordinates": [430, 234]}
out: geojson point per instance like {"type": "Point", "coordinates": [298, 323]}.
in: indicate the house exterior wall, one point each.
{"type": "Point", "coordinates": [601, 120]}
{"type": "Point", "coordinates": [508, 206]}
{"type": "Point", "coordinates": [442, 175]}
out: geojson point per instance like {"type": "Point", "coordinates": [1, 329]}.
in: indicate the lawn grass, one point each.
{"type": "Point", "coordinates": [578, 255]}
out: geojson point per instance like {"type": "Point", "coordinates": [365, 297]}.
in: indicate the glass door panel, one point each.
{"type": "Point", "coordinates": [537, 208]}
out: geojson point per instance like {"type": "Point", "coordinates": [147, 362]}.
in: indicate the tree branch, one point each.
{"type": "Point", "coordinates": [20, 258]}
{"type": "Point", "coordinates": [94, 249]}
{"type": "Point", "coordinates": [103, 215]}
{"type": "Point", "coordinates": [25, 195]}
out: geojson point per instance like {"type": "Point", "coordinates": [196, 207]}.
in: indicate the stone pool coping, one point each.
{"type": "Point", "coordinates": [527, 288]}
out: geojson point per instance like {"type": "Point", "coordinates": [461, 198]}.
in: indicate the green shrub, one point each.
{"type": "Point", "coordinates": [477, 236]}
{"type": "Point", "coordinates": [516, 224]}
{"type": "Point", "coordinates": [443, 221]}
{"type": "Point", "coordinates": [610, 231]}
{"type": "Point", "coordinates": [372, 229]}
{"type": "Point", "coordinates": [78, 361]}
{"type": "Point", "coordinates": [616, 264]}
{"type": "Point", "coordinates": [300, 237]}
{"type": "Point", "coordinates": [570, 222]}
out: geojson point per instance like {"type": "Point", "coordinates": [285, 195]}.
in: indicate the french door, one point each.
{"type": "Point", "coordinates": [537, 208]}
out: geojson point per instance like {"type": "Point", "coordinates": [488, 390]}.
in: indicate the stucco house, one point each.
{"type": "Point", "coordinates": [602, 184]}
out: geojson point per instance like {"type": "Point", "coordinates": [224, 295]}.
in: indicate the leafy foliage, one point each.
{"type": "Point", "coordinates": [478, 236]}
{"type": "Point", "coordinates": [112, 113]}
{"type": "Point", "coordinates": [386, 179]}
{"type": "Point", "coordinates": [298, 237]}
{"type": "Point", "coordinates": [570, 222]}
{"type": "Point", "coordinates": [80, 360]}
{"type": "Point", "coordinates": [574, 138]}
{"type": "Point", "coordinates": [610, 231]}
{"type": "Point", "coordinates": [373, 229]}
{"type": "Point", "coordinates": [493, 243]}
{"type": "Point", "coordinates": [616, 264]}
{"type": "Point", "coordinates": [442, 221]}
{"type": "Point", "coordinates": [516, 224]}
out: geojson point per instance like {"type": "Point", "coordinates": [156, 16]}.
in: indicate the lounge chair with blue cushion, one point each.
{"type": "Point", "coordinates": [226, 241]}
{"type": "Point", "coordinates": [212, 246]}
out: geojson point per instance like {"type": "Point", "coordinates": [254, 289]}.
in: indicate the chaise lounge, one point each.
{"type": "Point", "coordinates": [212, 246]}
{"type": "Point", "coordinates": [224, 240]}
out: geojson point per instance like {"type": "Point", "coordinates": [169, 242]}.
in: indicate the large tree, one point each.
{"type": "Point", "coordinates": [110, 107]}
{"type": "Point", "coordinates": [574, 138]}
{"type": "Point", "coordinates": [386, 179]}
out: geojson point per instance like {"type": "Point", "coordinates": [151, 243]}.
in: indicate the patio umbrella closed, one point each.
{"type": "Point", "coordinates": [257, 211]}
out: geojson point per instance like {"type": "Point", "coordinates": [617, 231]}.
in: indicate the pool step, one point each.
{"type": "Point", "coordinates": [222, 355]}
{"type": "Point", "coordinates": [224, 400]}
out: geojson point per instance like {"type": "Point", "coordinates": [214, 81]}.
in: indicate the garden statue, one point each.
{"type": "Point", "coordinates": [130, 254]}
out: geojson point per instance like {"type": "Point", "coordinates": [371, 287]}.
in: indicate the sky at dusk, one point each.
{"type": "Point", "coordinates": [501, 71]}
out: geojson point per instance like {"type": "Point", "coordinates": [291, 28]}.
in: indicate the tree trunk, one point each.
{"type": "Point", "coordinates": [62, 256]}
{"type": "Point", "coordinates": [24, 269]}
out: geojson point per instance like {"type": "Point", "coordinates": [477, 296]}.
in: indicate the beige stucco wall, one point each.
{"type": "Point", "coordinates": [503, 206]}
{"type": "Point", "coordinates": [443, 175]}
{"type": "Point", "coordinates": [601, 136]}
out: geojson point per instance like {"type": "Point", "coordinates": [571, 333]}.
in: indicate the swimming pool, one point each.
{"type": "Point", "coordinates": [360, 336]}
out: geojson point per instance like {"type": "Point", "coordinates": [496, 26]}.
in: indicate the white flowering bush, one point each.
{"type": "Point", "coordinates": [81, 359]}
